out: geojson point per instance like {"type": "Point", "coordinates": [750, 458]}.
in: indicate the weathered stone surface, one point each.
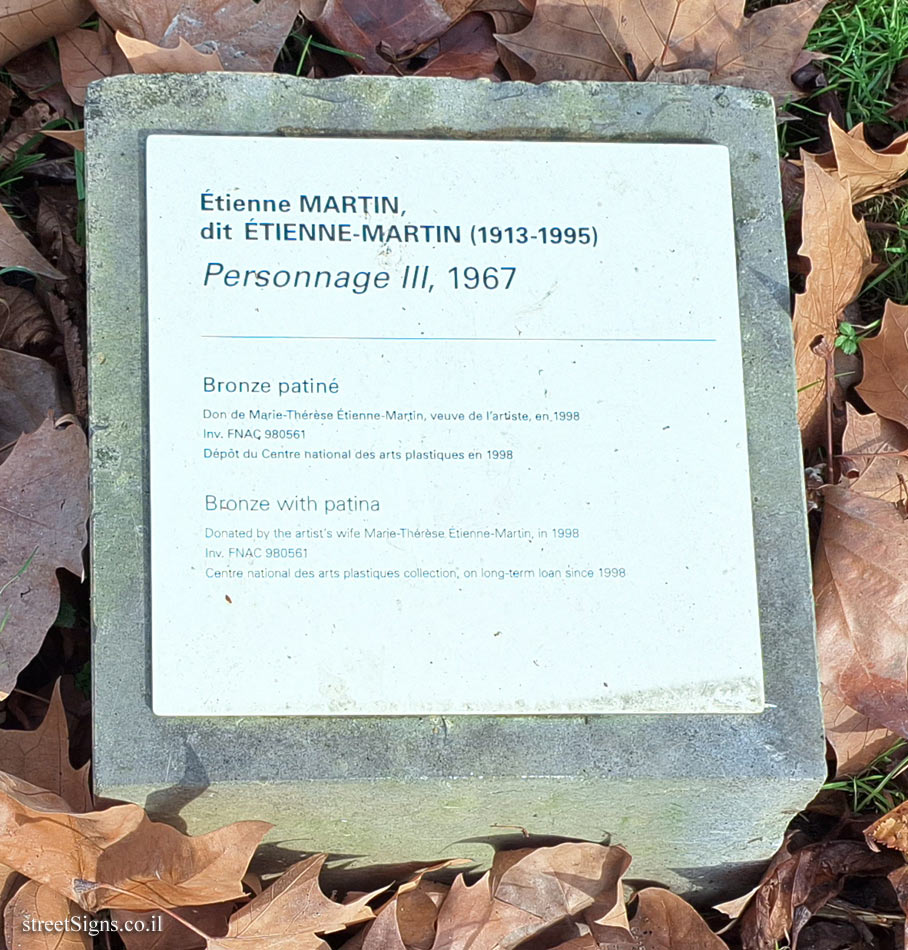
{"type": "Point", "coordinates": [695, 798]}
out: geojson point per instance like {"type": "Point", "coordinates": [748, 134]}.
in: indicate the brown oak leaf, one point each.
{"type": "Point", "coordinates": [522, 897]}
{"type": "Point", "coordinates": [87, 55]}
{"type": "Point", "coordinates": [855, 740]}
{"type": "Point", "coordinates": [26, 23]}
{"type": "Point", "coordinates": [885, 384]}
{"type": "Point", "coordinates": [627, 39]}
{"type": "Point", "coordinates": [290, 914]}
{"type": "Point", "coordinates": [869, 172]}
{"type": "Point", "coordinates": [41, 757]}
{"type": "Point", "coordinates": [145, 57]}
{"type": "Point", "coordinates": [169, 934]}
{"type": "Point", "coordinates": [663, 921]}
{"type": "Point", "coordinates": [25, 325]}
{"type": "Point", "coordinates": [34, 903]}
{"type": "Point", "coordinates": [17, 251]}
{"type": "Point", "coordinates": [245, 35]}
{"type": "Point", "coordinates": [94, 857]}
{"type": "Point", "coordinates": [29, 389]}
{"type": "Point", "coordinates": [861, 592]}
{"type": "Point", "coordinates": [466, 51]}
{"type": "Point", "coordinates": [838, 249]}
{"type": "Point", "coordinates": [43, 509]}
{"type": "Point", "coordinates": [798, 883]}
{"type": "Point", "coordinates": [874, 455]}
{"type": "Point", "coordinates": [384, 34]}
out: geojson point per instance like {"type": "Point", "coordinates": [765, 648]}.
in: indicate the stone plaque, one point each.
{"type": "Point", "coordinates": [445, 467]}
{"type": "Point", "coordinates": [432, 439]}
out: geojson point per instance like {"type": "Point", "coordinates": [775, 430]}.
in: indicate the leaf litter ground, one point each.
{"type": "Point", "coordinates": [840, 879]}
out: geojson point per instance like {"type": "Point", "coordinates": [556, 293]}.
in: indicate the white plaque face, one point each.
{"type": "Point", "coordinates": [445, 427]}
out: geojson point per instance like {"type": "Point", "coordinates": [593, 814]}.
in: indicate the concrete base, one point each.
{"type": "Point", "coordinates": [696, 799]}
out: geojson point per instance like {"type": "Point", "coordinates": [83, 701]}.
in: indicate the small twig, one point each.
{"type": "Point", "coordinates": [519, 828]}
{"type": "Point", "coordinates": [822, 348]}
{"type": "Point", "coordinates": [25, 692]}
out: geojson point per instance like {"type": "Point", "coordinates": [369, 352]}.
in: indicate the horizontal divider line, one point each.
{"type": "Point", "coordinates": [473, 339]}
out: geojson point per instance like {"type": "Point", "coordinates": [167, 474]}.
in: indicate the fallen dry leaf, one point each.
{"type": "Point", "coordinates": [508, 16]}
{"type": "Point", "coordinates": [855, 740]}
{"type": "Point", "coordinates": [799, 884]}
{"type": "Point", "coordinates": [73, 137]}
{"type": "Point", "coordinates": [17, 251]}
{"type": "Point", "coordinates": [290, 913]}
{"type": "Point", "coordinates": [26, 23]}
{"type": "Point", "coordinates": [41, 756]}
{"type": "Point", "coordinates": [87, 55]}
{"type": "Point", "coordinates": [891, 830]}
{"type": "Point", "coordinates": [35, 904]}
{"type": "Point", "coordinates": [56, 226]}
{"type": "Point", "coordinates": [385, 33]}
{"type": "Point", "coordinates": [874, 455]}
{"type": "Point", "coordinates": [29, 389]}
{"type": "Point", "coordinates": [43, 509]}
{"type": "Point", "coordinates": [467, 51]}
{"type": "Point", "coordinates": [861, 592]}
{"type": "Point", "coordinates": [23, 129]}
{"type": "Point", "coordinates": [145, 57]}
{"type": "Point", "coordinates": [885, 384]}
{"type": "Point", "coordinates": [77, 854]}
{"type": "Point", "coordinates": [840, 258]}
{"type": "Point", "coordinates": [417, 912]}
{"type": "Point", "coordinates": [245, 35]}
{"type": "Point", "coordinates": [24, 324]}
{"type": "Point", "coordinates": [171, 935]}
{"type": "Point", "coordinates": [869, 172]}
{"type": "Point", "coordinates": [899, 881]}
{"type": "Point", "coordinates": [626, 39]}
{"type": "Point", "coordinates": [6, 100]}
{"type": "Point", "coordinates": [37, 74]}
{"type": "Point", "coordinates": [384, 932]}
{"type": "Point", "coordinates": [664, 921]}
{"type": "Point", "coordinates": [516, 900]}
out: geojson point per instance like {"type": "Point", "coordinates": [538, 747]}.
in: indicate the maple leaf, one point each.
{"type": "Point", "coordinates": [868, 172]}
{"type": "Point", "coordinates": [38, 902]}
{"type": "Point", "coordinates": [26, 23]}
{"type": "Point", "coordinates": [838, 249]}
{"type": "Point", "coordinates": [94, 857]}
{"type": "Point", "coordinates": [290, 913]}
{"type": "Point", "coordinates": [87, 55]}
{"type": "Point", "coordinates": [41, 757]}
{"type": "Point", "coordinates": [245, 35]}
{"type": "Point", "coordinates": [627, 39]}
{"type": "Point", "coordinates": [43, 509]}
{"type": "Point", "coordinates": [145, 57]}
{"type": "Point", "coordinates": [885, 384]}
{"type": "Point", "coordinates": [861, 592]}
